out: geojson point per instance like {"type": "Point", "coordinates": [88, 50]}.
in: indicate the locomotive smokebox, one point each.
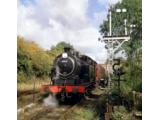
{"type": "Point", "coordinates": [66, 65]}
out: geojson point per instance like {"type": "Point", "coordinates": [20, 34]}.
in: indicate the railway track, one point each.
{"type": "Point", "coordinates": [54, 111]}
{"type": "Point", "coordinates": [42, 111]}
{"type": "Point", "coordinates": [26, 92]}
{"type": "Point", "coordinates": [39, 112]}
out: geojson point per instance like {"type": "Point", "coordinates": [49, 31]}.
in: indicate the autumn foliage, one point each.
{"type": "Point", "coordinates": [32, 60]}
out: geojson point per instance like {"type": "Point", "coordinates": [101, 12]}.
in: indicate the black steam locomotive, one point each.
{"type": "Point", "coordinates": [72, 75]}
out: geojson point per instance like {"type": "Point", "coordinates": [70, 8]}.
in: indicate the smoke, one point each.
{"type": "Point", "coordinates": [50, 101]}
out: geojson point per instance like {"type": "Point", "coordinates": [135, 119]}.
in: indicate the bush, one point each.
{"type": "Point", "coordinates": [120, 113]}
{"type": "Point", "coordinates": [21, 77]}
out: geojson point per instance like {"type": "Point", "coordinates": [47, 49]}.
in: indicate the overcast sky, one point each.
{"type": "Point", "coordinates": [48, 22]}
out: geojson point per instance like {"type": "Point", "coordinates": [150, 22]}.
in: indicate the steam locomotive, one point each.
{"type": "Point", "coordinates": [72, 75]}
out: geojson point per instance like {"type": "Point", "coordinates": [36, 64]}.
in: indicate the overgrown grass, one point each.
{"type": "Point", "coordinates": [121, 113]}
{"type": "Point", "coordinates": [85, 114]}
{"type": "Point", "coordinates": [29, 84]}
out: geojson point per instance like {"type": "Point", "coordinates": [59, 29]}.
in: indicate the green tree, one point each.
{"type": "Point", "coordinates": [23, 58]}
{"type": "Point", "coordinates": [58, 49]}
{"type": "Point", "coordinates": [31, 60]}
{"type": "Point", "coordinates": [133, 16]}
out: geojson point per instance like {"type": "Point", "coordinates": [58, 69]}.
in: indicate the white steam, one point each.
{"type": "Point", "coordinates": [50, 101]}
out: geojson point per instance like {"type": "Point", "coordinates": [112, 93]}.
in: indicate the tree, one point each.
{"type": "Point", "coordinates": [31, 59]}
{"type": "Point", "coordinates": [133, 16]}
{"type": "Point", "coordinates": [58, 49]}
{"type": "Point", "coordinates": [23, 59]}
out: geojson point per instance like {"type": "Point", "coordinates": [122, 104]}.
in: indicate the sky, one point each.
{"type": "Point", "coordinates": [77, 22]}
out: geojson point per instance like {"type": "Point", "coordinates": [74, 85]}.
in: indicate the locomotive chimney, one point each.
{"type": "Point", "coordinates": [67, 49]}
